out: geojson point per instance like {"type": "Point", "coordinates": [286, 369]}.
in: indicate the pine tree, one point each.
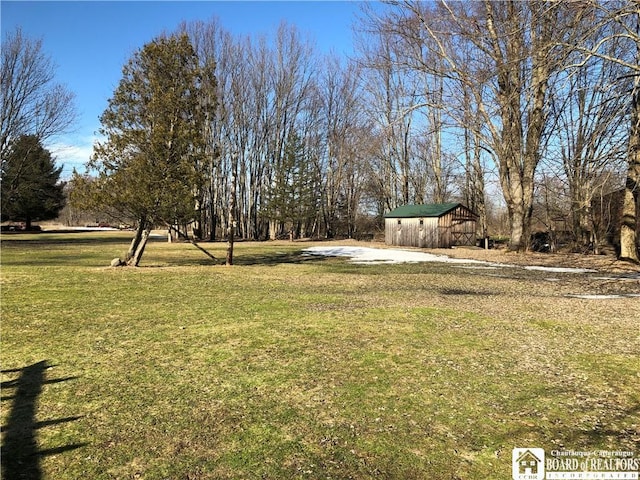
{"type": "Point", "coordinates": [150, 165]}
{"type": "Point", "coordinates": [306, 196]}
{"type": "Point", "coordinates": [31, 190]}
{"type": "Point", "coordinates": [292, 194]}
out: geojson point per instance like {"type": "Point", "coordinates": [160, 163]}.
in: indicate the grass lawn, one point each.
{"type": "Point", "coordinates": [288, 366]}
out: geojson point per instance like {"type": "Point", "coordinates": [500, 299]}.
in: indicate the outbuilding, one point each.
{"type": "Point", "coordinates": [440, 225]}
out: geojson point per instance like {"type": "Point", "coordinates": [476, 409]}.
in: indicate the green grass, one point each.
{"type": "Point", "coordinates": [286, 366]}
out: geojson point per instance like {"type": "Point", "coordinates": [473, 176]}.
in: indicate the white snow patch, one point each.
{"type": "Point", "coordinates": [480, 267]}
{"type": "Point", "coordinates": [92, 229]}
{"type": "Point", "coordinates": [595, 297]}
{"type": "Point", "coordinates": [624, 277]}
{"type": "Point", "coordinates": [559, 269]}
{"type": "Point", "coordinates": [372, 256]}
{"type": "Point", "coordinates": [369, 256]}
{"type": "Point", "coordinates": [604, 297]}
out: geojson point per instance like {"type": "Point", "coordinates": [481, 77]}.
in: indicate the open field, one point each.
{"type": "Point", "coordinates": [292, 366]}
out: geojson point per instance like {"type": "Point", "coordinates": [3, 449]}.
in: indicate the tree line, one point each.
{"type": "Point", "coordinates": [262, 137]}
{"type": "Point", "coordinates": [544, 93]}
{"type": "Point", "coordinates": [33, 109]}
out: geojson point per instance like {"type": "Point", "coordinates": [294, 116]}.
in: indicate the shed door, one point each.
{"type": "Point", "coordinates": [463, 233]}
{"type": "Point", "coordinates": [463, 228]}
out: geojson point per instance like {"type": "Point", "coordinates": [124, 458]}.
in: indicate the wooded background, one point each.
{"type": "Point", "coordinates": [526, 112]}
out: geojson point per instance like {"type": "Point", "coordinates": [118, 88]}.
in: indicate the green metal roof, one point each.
{"type": "Point", "coordinates": [431, 210]}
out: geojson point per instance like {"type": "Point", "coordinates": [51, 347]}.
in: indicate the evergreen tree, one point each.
{"type": "Point", "coordinates": [306, 192]}
{"type": "Point", "coordinates": [150, 165]}
{"type": "Point", "coordinates": [292, 194]}
{"type": "Point", "coordinates": [31, 190]}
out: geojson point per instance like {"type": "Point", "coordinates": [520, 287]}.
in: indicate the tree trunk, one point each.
{"type": "Point", "coordinates": [628, 248]}
{"type": "Point", "coordinates": [273, 229]}
{"type": "Point", "coordinates": [135, 241]}
{"type": "Point", "coordinates": [230, 239]}
{"type": "Point", "coordinates": [232, 201]}
{"type": "Point", "coordinates": [628, 236]}
{"type": "Point", "coordinates": [581, 213]}
{"type": "Point", "coordinates": [518, 194]}
{"type": "Point", "coordinates": [517, 241]}
{"type": "Point", "coordinates": [137, 256]}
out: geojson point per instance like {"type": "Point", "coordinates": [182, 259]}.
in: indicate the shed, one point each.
{"type": "Point", "coordinates": [440, 225]}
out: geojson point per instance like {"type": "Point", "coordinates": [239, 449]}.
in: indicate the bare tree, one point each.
{"type": "Point", "coordinates": [31, 102]}
{"type": "Point", "coordinates": [619, 21]}
{"type": "Point", "coordinates": [264, 91]}
{"type": "Point", "coordinates": [522, 100]}
{"type": "Point", "coordinates": [390, 99]}
{"type": "Point", "coordinates": [209, 39]}
{"type": "Point", "coordinates": [629, 20]}
{"type": "Point", "coordinates": [515, 57]}
{"type": "Point", "coordinates": [449, 103]}
{"type": "Point", "coordinates": [588, 141]}
{"type": "Point", "coordinates": [628, 230]}
{"type": "Point", "coordinates": [271, 90]}
{"type": "Point", "coordinates": [342, 137]}
{"type": "Point", "coordinates": [474, 186]}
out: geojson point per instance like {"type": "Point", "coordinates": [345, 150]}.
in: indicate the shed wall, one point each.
{"type": "Point", "coordinates": [457, 227]}
{"type": "Point", "coordinates": [410, 233]}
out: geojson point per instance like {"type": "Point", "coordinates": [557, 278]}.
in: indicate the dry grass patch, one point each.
{"type": "Point", "coordinates": [286, 366]}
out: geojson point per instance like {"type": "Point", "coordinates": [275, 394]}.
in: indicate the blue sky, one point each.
{"type": "Point", "coordinates": [90, 41]}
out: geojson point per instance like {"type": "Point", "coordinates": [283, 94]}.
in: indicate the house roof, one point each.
{"type": "Point", "coordinates": [526, 455]}
{"type": "Point", "coordinates": [431, 210]}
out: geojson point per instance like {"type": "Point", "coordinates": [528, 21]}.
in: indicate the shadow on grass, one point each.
{"type": "Point", "coordinates": [61, 249]}
{"type": "Point", "coordinates": [20, 453]}
{"type": "Point", "coordinates": [587, 429]}
{"type": "Point", "coordinates": [277, 258]}
{"type": "Point", "coordinates": [601, 435]}
{"type": "Point", "coordinates": [465, 292]}
{"type": "Point", "coordinates": [240, 259]}
{"type": "Point", "coordinates": [51, 239]}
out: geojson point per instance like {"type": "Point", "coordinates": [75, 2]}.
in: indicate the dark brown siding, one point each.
{"type": "Point", "coordinates": [457, 228]}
